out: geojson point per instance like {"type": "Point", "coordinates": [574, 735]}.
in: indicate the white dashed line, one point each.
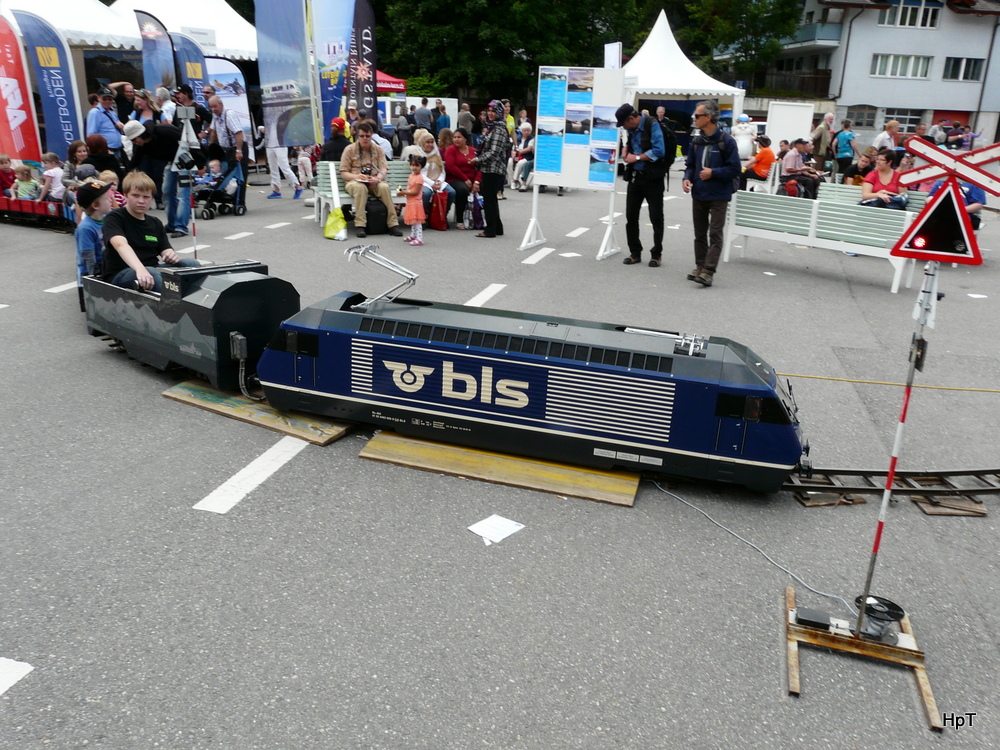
{"type": "Point", "coordinates": [252, 476]}
{"type": "Point", "coordinates": [538, 255]}
{"type": "Point", "coordinates": [238, 236]}
{"type": "Point", "coordinates": [310, 216]}
{"type": "Point", "coordinates": [670, 197]}
{"type": "Point", "coordinates": [61, 288]}
{"type": "Point", "coordinates": [279, 225]}
{"type": "Point", "coordinates": [605, 218]}
{"type": "Point", "coordinates": [569, 255]}
{"type": "Point", "coordinates": [11, 671]}
{"type": "Point", "coordinates": [484, 296]}
{"type": "Point", "coordinates": [3, 306]}
{"type": "Point", "coordinates": [578, 231]}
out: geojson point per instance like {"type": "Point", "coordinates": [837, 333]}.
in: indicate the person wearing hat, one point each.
{"type": "Point", "coordinates": [184, 95]}
{"type": "Point", "coordinates": [793, 168]}
{"type": "Point", "coordinates": [92, 197]}
{"type": "Point", "coordinates": [644, 171]}
{"type": "Point", "coordinates": [353, 116]}
{"type": "Point", "coordinates": [154, 149]}
{"type": "Point", "coordinates": [103, 120]}
{"type": "Point", "coordinates": [333, 149]}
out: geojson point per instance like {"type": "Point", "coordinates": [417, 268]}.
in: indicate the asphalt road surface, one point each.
{"type": "Point", "coordinates": [343, 603]}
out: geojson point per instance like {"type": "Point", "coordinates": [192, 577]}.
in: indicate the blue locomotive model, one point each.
{"type": "Point", "coordinates": [574, 391]}
{"type": "Point", "coordinates": [565, 390]}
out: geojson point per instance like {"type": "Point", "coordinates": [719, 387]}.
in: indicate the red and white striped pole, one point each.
{"type": "Point", "coordinates": [925, 315]}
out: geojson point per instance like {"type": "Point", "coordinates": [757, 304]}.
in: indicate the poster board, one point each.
{"type": "Point", "coordinates": [789, 120]}
{"type": "Point", "coordinates": [576, 142]}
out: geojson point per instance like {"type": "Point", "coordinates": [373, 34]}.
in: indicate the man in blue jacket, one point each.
{"type": "Point", "coordinates": [713, 167]}
{"type": "Point", "coordinates": [645, 169]}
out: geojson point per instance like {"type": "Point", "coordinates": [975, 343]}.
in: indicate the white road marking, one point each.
{"type": "Point", "coordinates": [3, 306]}
{"type": "Point", "coordinates": [484, 296]}
{"type": "Point", "coordinates": [769, 273]}
{"type": "Point", "coordinates": [670, 197]}
{"type": "Point", "coordinates": [61, 288]}
{"type": "Point", "coordinates": [11, 671]}
{"type": "Point", "coordinates": [578, 231]}
{"type": "Point", "coordinates": [605, 218]}
{"type": "Point", "coordinates": [245, 481]}
{"type": "Point", "coordinates": [278, 225]}
{"type": "Point", "coordinates": [238, 236]}
{"type": "Point", "coordinates": [974, 296]}
{"type": "Point", "coordinates": [569, 255]}
{"type": "Point", "coordinates": [310, 216]}
{"type": "Point", "coordinates": [202, 247]}
{"type": "Point", "coordinates": [538, 255]}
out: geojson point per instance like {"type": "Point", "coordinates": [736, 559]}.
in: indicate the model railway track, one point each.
{"type": "Point", "coordinates": [935, 492]}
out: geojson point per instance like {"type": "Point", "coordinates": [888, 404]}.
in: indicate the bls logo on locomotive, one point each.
{"type": "Point", "coordinates": [462, 386]}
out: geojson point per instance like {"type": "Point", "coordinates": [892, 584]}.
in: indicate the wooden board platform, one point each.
{"type": "Point", "coordinates": [617, 487]}
{"type": "Point", "coordinates": [312, 429]}
{"type": "Point", "coordinates": [905, 657]}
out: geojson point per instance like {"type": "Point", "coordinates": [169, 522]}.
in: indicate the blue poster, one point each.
{"type": "Point", "coordinates": [191, 64]}
{"type": "Point", "coordinates": [580, 88]}
{"type": "Point", "coordinates": [552, 92]}
{"type": "Point", "coordinates": [285, 73]}
{"type": "Point", "coordinates": [157, 54]}
{"type": "Point", "coordinates": [333, 22]}
{"type": "Point", "coordinates": [54, 78]}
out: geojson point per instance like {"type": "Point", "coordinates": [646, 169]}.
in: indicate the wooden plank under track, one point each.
{"type": "Point", "coordinates": [617, 487]}
{"type": "Point", "coordinates": [312, 429]}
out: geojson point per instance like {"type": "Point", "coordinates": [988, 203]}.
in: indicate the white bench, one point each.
{"type": "Point", "coordinates": [838, 193]}
{"type": "Point", "coordinates": [831, 225]}
{"type": "Point", "coordinates": [331, 192]}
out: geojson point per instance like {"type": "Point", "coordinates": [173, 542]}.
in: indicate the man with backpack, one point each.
{"type": "Point", "coordinates": [645, 168]}
{"type": "Point", "coordinates": [711, 176]}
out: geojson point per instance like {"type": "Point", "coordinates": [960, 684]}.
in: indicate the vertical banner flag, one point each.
{"type": "Point", "coordinates": [285, 72]}
{"type": "Point", "coordinates": [157, 53]}
{"type": "Point", "coordinates": [231, 88]}
{"type": "Point", "coordinates": [361, 83]}
{"type": "Point", "coordinates": [333, 21]}
{"type": "Point", "coordinates": [49, 55]}
{"type": "Point", "coordinates": [191, 64]}
{"type": "Point", "coordinates": [18, 129]}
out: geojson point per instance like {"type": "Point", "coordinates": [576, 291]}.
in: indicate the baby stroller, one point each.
{"type": "Point", "coordinates": [225, 196]}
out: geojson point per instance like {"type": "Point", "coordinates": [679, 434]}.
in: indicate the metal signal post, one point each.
{"type": "Point", "coordinates": [924, 313]}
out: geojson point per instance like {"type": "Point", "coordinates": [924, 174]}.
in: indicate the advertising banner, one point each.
{"type": "Point", "coordinates": [191, 64]}
{"type": "Point", "coordinates": [18, 129]}
{"type": "Point", "coordinates": [50, 58]}
{"type": "Point", "coordinates": [285, 72]}
{"type": "Point", "coordinates": [361, 68]}
{"type": "Point", "coordinates": [333, 24]}
{"type": "Point", "coordinates": [157, 53]}
{"type": "Point", "coordinates": [231, 88]}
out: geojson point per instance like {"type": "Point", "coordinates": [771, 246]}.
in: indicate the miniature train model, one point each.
{"type": "Point", "coordinates": [48, 213]}
{"type": "Point", "coordinates": [574, 391]}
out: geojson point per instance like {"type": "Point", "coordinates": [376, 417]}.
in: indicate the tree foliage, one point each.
{"type": "Point", "coordinates": [750, 30]}
{"type": "Point", "coordinates": [495, 46]}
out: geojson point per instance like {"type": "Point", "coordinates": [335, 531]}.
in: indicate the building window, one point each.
{"type": "Point", "coordinates": [901, 66]}
{"type": "Point", "coordinates": [915, 14]}
{"type": "Point", "coordinates": [963, 68]}
{"type": "Point", "coordinates": [907, 118]}
{"type": "Point", "coordinates": [862, 115]}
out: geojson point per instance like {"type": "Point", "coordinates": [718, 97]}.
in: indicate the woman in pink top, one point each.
{"type": "Point", "coordinates": [881, 187]}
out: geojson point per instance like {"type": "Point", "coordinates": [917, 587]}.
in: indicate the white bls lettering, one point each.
{"type": "Point", "coordinates": [462, 386]}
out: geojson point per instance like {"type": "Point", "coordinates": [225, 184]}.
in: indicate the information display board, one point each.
{"type": "Point", "coordinates": [576, 142]}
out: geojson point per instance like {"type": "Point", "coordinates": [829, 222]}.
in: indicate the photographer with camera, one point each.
{"type": "Point", "coordinates": [364, 169]}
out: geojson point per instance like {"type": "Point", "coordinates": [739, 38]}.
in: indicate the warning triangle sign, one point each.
{"type": "Point", "coordinates": [942, 230]}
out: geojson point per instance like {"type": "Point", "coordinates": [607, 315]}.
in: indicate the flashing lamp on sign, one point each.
{"type": "Point", "coordinates": [920, 242]}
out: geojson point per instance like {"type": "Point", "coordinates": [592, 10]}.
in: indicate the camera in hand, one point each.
{"type": "Point", "coordinates": [366, 171]}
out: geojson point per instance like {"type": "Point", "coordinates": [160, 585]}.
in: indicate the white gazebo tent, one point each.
{"type": "Point", "coordinates": [661, 69]}
{"type": "Point", "coordinates": [218, 29]}
{"type": "Point", "coordinates": [84, 23]}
